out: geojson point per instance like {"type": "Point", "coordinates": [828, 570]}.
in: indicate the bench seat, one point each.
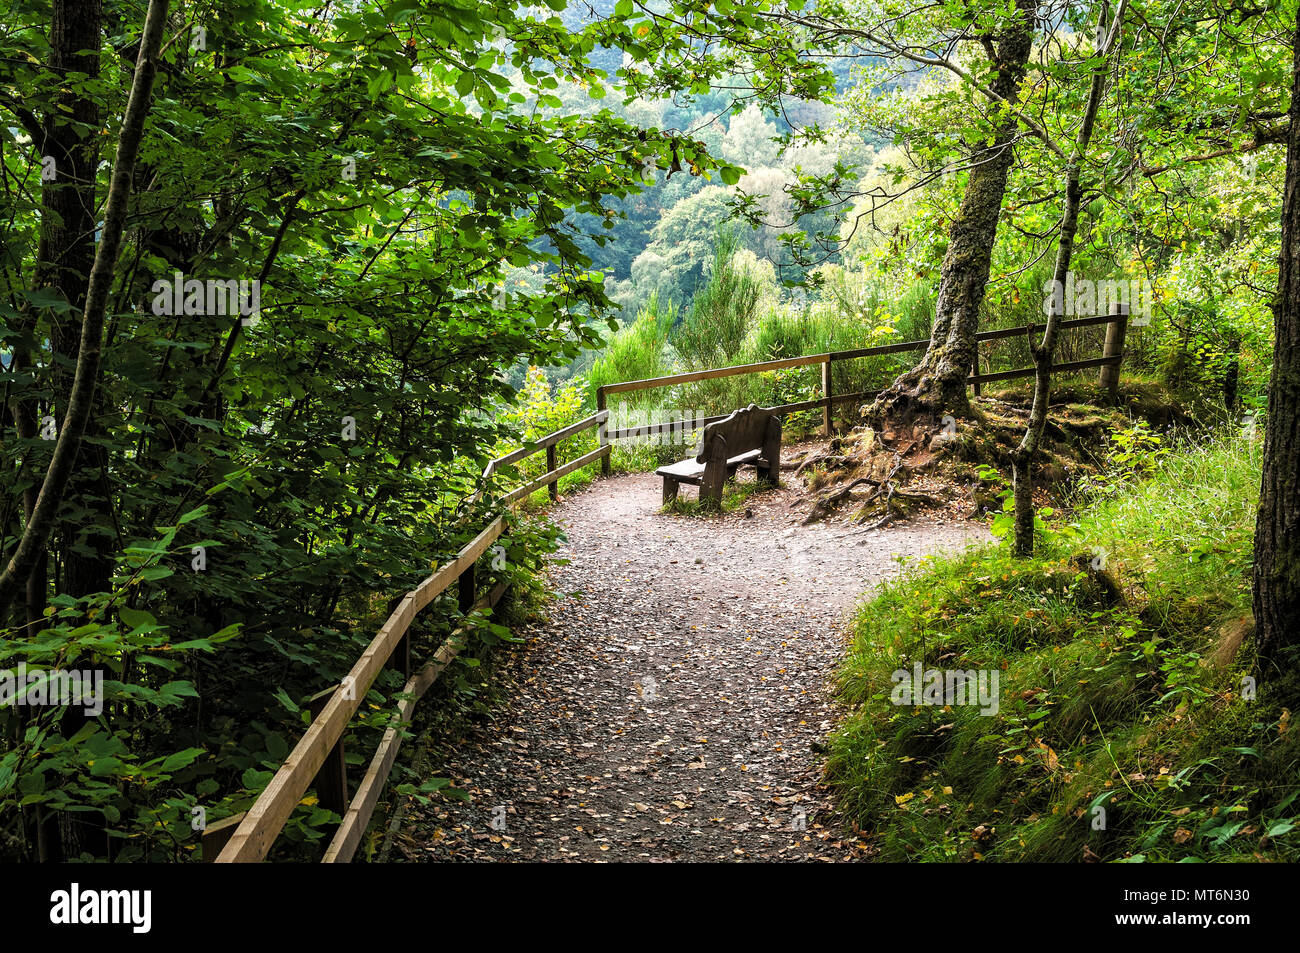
{"type": "Point", "coordinates": [692, 472]}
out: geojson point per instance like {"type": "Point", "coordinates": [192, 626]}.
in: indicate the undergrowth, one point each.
{"type": "Point", "coordinates": [1115, 736]}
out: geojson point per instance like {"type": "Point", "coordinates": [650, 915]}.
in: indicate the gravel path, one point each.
{"type": "Point", "coordinates": [673, 705]}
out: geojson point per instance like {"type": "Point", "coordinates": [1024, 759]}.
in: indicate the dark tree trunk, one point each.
{"type": "Point", "coordinates": [80, 397]}
{"type": "Point", "coordinates": [1277, 529]}
{"type": "Point", "coordinates": [65, 257]}
{"type": "Point", "coordinates": [1232, 374]}
{"type": "Point", "coordinates": [25, 425]}
{"type": "Point", "coordinates": [938, 383]}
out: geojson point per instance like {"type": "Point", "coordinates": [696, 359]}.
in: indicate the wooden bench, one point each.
{"type": "Point", "coordinates": [749, 437]}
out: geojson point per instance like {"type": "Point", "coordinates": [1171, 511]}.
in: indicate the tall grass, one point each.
{"type": "Point", "coordinates": [723, 311]}
{"type": "Point", "coordinates": [1188, 530]}
{"type": "Point", "coordinates": [1114, 738]}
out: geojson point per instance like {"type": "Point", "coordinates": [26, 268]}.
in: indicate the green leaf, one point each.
{"type": "Point", "coordinates": [196, 513]}
{"type": "Point", "coordinates": [255, 779]}
{"type": "Point", "coordinates": [283, 698]}
{"type": "Point", "coordinates": [1278, 828]}
{"type": "Point", "coordinates": [277, 747]}
{"type": "Point", "coordinates": [137, 620]}
{"type": "Point", "coordinates": [181, 759]}
{"type": "Point", "coordinates": [45, 298]}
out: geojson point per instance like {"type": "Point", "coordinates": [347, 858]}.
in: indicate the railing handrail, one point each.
{"type": "Point", "coordinates": [687, 377]}
{"type": "Point", "coordinates": [1117, 322]}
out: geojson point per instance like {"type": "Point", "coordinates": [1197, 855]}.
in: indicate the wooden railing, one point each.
{"type": "Point", "coordinates": [1109, 362]}
{"type": "Point", "coordinates": [318, 758]}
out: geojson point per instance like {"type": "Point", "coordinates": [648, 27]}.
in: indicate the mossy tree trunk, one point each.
{"type": "Point", "coordinates": [1277, 529]}
{"type": "Point", "coordinates": [938, 383]}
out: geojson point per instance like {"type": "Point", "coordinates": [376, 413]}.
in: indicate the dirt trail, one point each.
{"type": "Point", "coordinates": [674, 704]}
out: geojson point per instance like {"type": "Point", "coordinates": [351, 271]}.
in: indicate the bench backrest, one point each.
{"type": "Point", "coordinates": [743, 431]}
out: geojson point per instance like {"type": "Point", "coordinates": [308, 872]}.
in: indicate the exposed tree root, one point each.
{"type": "Point", "coordinates": [826, 504]}
{"type": "Point", "coordinates": [874, 476]}
{"type": "Point", "coordinates": [826, 461]}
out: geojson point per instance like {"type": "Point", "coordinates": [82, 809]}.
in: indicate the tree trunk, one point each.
{"type": "Point", "coordinates": [64, 260]}
{"type": "Point", "coordinates": [81, 398]}
{"type": "Point", "coordinates": [28, 555]}
{"type": "Point", "coordinates": [938, 383]}
{"type": "Point", "coordinates": [25, 426]}
{"type": "Point", "coordinates": [66, 252]}
{"type": "Point", "coordinates": [1232, 374]}
{"type": "Point", "coordinates": [1277, 529]}
{"type": "Point", "coordinates": [1022, 458]}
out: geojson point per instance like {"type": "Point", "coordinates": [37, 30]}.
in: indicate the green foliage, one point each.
{"type": "Point", "coordinates": [410, 216]}
{"type": "Point", "coordinates": [1102, 705]}
{"type": "Point", "coordinates": [541, 409]}
{"type": "Point", "coordinates": [1133, 454]}
{"type": "Point", "coordinates": [722, 312]}
{"type": "Point", "coordinates": [115, 642]}
{"type": "Point", "coordinates": [640, 350]}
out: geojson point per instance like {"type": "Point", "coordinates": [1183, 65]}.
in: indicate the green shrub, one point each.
{"type": "Point", "coordinates": [638, 351]}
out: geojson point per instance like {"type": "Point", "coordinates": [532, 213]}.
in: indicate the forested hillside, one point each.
{"type": "Point", "coordinates": [358, 352]}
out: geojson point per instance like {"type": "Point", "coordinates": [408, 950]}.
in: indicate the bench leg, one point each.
{"type": "Point", "coordinates": [772, 452]}
{"type": "Point", "coordinates": [670, 490]}
{"type": "Point", "coordinates": [715, 473]}
{"type": "Point", "coordinates": [711, 485]}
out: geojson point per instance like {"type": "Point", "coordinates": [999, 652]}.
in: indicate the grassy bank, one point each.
{"type": "Point", "coordinates": [1124, 730]}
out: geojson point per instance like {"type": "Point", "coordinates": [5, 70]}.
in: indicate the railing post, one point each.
{"type": "Point", "coordinates": [975, 368]}
{"type": "Point", "coordinates": [551, 465]}
{"type": "Point", "coordinates": [826, 395]}
{"type": "Point", "coordinates": [332, 778]}
{"type": "Point", "coordinates": [1115, 333]}
{"type": "Point", "coordinates": [601, 430]}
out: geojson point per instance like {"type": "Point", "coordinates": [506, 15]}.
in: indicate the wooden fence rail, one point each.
{"type": "Point", "coordinates": [1109, 362]}
{"type": "Point", "coordinates": [317, 760]}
